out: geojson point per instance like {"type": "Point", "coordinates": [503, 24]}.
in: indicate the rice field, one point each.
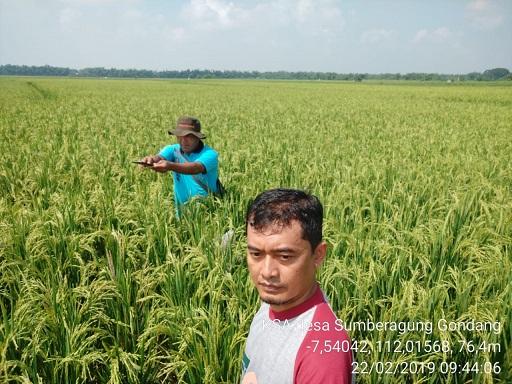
{"type": "Point", "coordinates": [101, 283]}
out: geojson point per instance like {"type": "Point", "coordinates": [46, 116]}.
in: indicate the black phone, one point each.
{"type": "Point", "coordinates": [142, 163]}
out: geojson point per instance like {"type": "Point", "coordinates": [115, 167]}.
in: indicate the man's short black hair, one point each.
{"type": "Point", "coordinates": [282, 206]}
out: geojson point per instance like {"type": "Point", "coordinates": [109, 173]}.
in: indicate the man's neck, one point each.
{"type": "Point", "coordinates": [197, 149]}
{"type": "Point", "coordinates": [313, 299]}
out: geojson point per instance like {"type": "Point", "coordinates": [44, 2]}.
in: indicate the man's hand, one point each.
{"type": "Point", "coordinates": [161, 166]}
{"type": "Point", "coordinates": [152, 159]}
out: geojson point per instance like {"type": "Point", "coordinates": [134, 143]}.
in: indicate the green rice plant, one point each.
{"type": "Point", "coordinates": [101, 282]}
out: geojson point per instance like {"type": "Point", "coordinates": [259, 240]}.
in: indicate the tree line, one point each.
{"type": "Point", "coordinates": [46, 70]}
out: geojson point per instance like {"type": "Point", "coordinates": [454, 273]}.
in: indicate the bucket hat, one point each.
{"type": "Point", "coordinates": [188, 125]}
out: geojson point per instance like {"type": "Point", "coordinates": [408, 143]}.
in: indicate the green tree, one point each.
{"type": "Point", "coordinates": [495, 73]}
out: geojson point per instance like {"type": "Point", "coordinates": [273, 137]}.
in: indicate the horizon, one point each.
{"type": "Point", "coordinates": [249, 71]}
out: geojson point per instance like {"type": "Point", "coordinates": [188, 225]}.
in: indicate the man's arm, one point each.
{"type": "Point", "coordinates": [186, 168]}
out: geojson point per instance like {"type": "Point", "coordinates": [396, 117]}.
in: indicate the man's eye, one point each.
{"type": "Point", "coordinates": [254, 254]}
{"type": "Point", "coordinates": [286, 257]}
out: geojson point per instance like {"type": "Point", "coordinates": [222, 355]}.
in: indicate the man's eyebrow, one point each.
{"type": "Point", "coordinates": [275, 250]}
{"type": "Point", "coordinates": [284, 250]}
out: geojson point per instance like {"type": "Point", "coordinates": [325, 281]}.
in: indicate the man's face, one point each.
{"type": "Point", "coordinates": [188, 143]}
{"type": "Point", "coordinates": [282, 265]}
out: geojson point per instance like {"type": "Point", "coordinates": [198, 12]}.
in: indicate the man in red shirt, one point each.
{"type": "Point", "coordinates": [295, 337]}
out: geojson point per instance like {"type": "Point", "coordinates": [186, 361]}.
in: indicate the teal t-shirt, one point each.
{"type": "Point", "coordinates": [185, 187]}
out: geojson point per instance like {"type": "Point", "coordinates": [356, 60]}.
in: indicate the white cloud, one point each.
{"type": "Point", "coordinates": [98, 2]}
{"type": "Point", "coordinates": [374, 36]}
{"type": "Point", "coordinates": [442, 33]}
{"type": "Point", "coordinates": [314, 17]}
{"type": "Point", "coordinates": [271, 32]}
{"type": "Point", "coordinates": [176, 34]}
{"type": "Point", "coordinates": [438, 35]}
{"type": "Point", "coordinates": [68, 17]}
{"type": "Point", "coordinates": [304, 9]}
{"type": "Point", "coordinates": [321, 17]}
{"type": "Point", "coordinates": [478, 5]}
{"type": "Point", "coordinates": [420, 35]}
{"type": "Point", "coordinates": [484, 14]}
{"type": "Point", "coordinates": [210, 14]}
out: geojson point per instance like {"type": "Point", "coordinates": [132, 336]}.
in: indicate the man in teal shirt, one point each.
{"type": "Point", "coordinates": [194, 164]}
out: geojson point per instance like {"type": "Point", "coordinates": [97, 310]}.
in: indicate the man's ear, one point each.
{"type": "Point", "coordinates": [319, 253]}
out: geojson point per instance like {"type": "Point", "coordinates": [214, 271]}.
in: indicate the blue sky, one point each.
{"type": "Point", "coordinates": [373, 36]}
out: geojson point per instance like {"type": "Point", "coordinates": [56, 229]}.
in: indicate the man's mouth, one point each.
{"type": "Point", "coordinates": [271, 288]}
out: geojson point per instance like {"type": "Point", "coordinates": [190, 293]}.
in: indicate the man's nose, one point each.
{"type": "Point", "coordinates": [269, 268]}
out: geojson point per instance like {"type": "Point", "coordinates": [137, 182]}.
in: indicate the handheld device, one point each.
{"type": "Point", "coordinates": [142, 163]}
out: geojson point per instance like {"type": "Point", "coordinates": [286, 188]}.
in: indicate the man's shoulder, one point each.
{"type": "Point", "coordinates": [328, 324]}
{"type": "Point", "coordinates": [325, 355]}
{"type": "Point", "coordinates": [324, 311]}
{"type": "Point", "coordinates": [207, 154]}
{"type": "Point", "coordinates": [167, 152]}
{"type": "Point", "coordinates": [169, 148]}
{"type": "Point", "coordinates": [207, 148]}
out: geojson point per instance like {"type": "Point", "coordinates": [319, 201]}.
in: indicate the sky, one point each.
{"type": "Point", "coordinates": [343, 36]}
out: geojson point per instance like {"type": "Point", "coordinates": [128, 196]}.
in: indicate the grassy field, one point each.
{"type": "Point", "coordinates": [100, 283]}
